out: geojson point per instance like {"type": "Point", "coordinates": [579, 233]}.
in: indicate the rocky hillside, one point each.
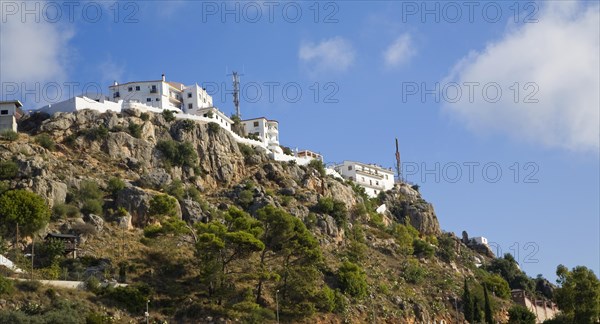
{"type": "Point", "coordinates": [213, 231]}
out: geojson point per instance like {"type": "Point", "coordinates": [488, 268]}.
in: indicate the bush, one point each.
{"type": "Point", "coordinates": [92, 284]}
{"type": "Point", "coordinates": [92, 206]}
{"type": "Point", "coordinates": [520, 315]}
{"type": "Point", "coordinates": [335, 208]}
{"type": "Point", "coordinates": [413, 272]}
{"type": "Point", "coordinates": [145, 116]}
{"type": "Point", "coordinates": [246, 150]}
{"type": "Point", "coordinates": [8, 170]}
{"type": "Point", "coordinates": [93, 134]}
{"type": "Point", "coordinates": [45, 141]}
{"type": "Point", "coordinates": [188, 125]}
{"type": "Point", "coordinates": [318, 165]}
{"type": "Point", "coordinates": [213, 128]}
{"type": "Point", "coordinates": [352, 279]}
{"type": "Point", "coordinates": [422, 248]}
{"type": "Point", "coordinates": [245, 198]}
{"type": "Point", "coordinates": [9, 135]}
{"type": "Point", "coordinates": [135, 130]}
{"type": "Point", "coordinates": [168, 115]}
{"type": "Point", "coordinates": [29, 285]}
{"type": "Point", "coordinates": [152, 231]}
{"type": "Point", "coordinates": [6, 286]}
{"type": "Point", "coordinates": [163, 205]}
{"type": "Point", "coordinates": [181, 154]}
{"type": "Point", "coordinates": [132, 297]}
{"type": "Point", "coordinates": [115, 185]}
{"type": "Point", "coordinates": [60, 211]}
{"type": "Point", "coordinates": [498, 286]}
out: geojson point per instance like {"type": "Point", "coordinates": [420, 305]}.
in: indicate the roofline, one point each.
{"type": "Point", "coordinates": [265, 118]}
{"type": "Point", "coordinates": [17, 102]}
{"type": "Point", "coordinates": [369, 165]}
{"type": "Point", "coordinates": [120, 84]}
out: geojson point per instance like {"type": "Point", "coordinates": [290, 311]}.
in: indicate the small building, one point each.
{"type": "Point", "coordinates": [10, 113]}
{"type": "Point", "coordinates": [309, 155]}
{"type": "Point", "coordinates": [480, 240]}
{"type": "Point", "coordinates": [162, 94]}
{"type": "Point", "coordinates": [373, 178]}
{"type": "Point", "coordinates": [542, 308]}
{"type": "Point", "coordinates": [71, 242]}
{"type": "Point", "coordinates": [214, 113]}
{"type": "Point", "coordinates": [266, 130]}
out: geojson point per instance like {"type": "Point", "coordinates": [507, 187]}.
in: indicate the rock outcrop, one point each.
{"type": "Point", "coordinates": [405, 204]}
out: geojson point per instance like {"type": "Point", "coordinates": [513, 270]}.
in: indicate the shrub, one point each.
{"type": "Point", "coordinates": [287, 150]}
{"type": "Point", "coordinates": [413, 272]}
{"type": "Point", "coordinates": [115, 185]}
{"type": "Point", "coordinates": [9, 135]}
{"type": "Point", "coordinates": [93, 134]}
{"type": "Point", "coordinates": [8, 170]}
{"type": "Point", "coordinates": [498, 286]}
{"type": "Point", "coordinates": [213, 127]}
{"type": "Point", "coordinates": [163, 205]}
{"type": "Point", "coordinates": [335, 208]}
{"type": "Point", "coordinates": [45, 141]}
{"type": "Point", "coordinates": [29, 285]}
{"type": "Point", "coordinates": [60, 211]}
{"type": "Point", "coordinates": [422, 248]}
{"type": "Point", "coordinates": [92, 206]}
{"type": "Point", "coordinates": [520, 315]}
{"type": "Point", "coordinates": [135, 130]}
{"type": "Point", "coordinates": [352, 279]}
{"type": "Point", "coordinates": [145, 116]}
{"type": "Point", "coordinates": [245, 198]}
{"type": "Point", "coordinates": [246, 150]}
{"type": "Point", "coordinates": [168, 115]}
{"type": "Point", "coordinates": [92, 284]}
{"type": "Point", "coordinates": [6, 286]}
{"type": "Point", "coordinates": [317, 165]}
{"type": "Point", "coordinates": [188, 125]}
{"type": "Point", "coordinates": [181, 154]}
{"type": "Point", "coordinates": [132, 297]}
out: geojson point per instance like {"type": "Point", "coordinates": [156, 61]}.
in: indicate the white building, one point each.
{"type": "Point", "coordinates": [162, 94]}
{"type": "Point", "coordinates": [266, 130]}
{"type": "Point", "coordinates": [372, 177]}
{"type": "Point", "coordinates": [480, 240]}
{"type": "Point", "coordinates": [10, 112]}
{"type": "Point", "coordinates": [214, 113]}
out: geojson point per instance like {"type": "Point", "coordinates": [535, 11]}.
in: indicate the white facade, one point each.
{"type": "Point", "coordinates": [266, 130]}
{"type": "Point", "coordinates": [162, 94]}
{"type": "Point", "coordinates": [373, 178]}
{"type": "Point", "coordinates": [9, 112]}
{"type": "Point", "coordinates": [480, 240]}
{"type": "Point", "coordinates": [100, 104]}
{"type": "Point", "coordinates": [218, 116]}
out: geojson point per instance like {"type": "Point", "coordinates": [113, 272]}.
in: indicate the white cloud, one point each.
{"type": "Point", "coordinates": [400, 51]}
{"type": "Point", "coordinates": [33, 52]}
{"type": "Point", "coordinates": [561, 55]}
{"type": "Point", "coordinates": [334, 54]}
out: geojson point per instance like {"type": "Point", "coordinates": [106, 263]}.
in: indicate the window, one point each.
{"type": "Point", "coordinates": [377, 183]}
{"type": "Point", "coordinates": [255, 124]}
{"type": "Point", "coordinates": [148, 99]}
{"type": "Point", "coordinates": [370, 182]}
{"type": "Point", "coordinates": [157, 99]}
{"type": "Point", "coordinates": [4, 112]}
{"type": "Point", "coordinates": [137, 88]}
{"type": "Point", "coordinates": [375, 191]}
{"type": "Point", "coordinates": [130, 89]}
{"type": "Point", "coordinates": [189, 95]}
{"type": "Point", "coordinates": [386, 177]}
{"type": "Point", "coordinates": [116, 95]}
{"type": "Point", "coordinates": [190, 106]}
{"type": "Point", "coordinates": [349, 168]}
{"type": "Point", "coordinates": [153, 89]}
{"type": "Point", "coordinates": [363, 179]}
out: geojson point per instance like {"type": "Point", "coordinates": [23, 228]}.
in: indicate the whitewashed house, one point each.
{"type": "Point", "coordinates": [162, 94]}
{"type": "Point", "coordinates": [373, 178]}
{"type": "Point", "coordinates": [266, 130]}
{"type": "Point", "coordinates": [10, 112]}
{"type": "Point", "coordinates": [480, 240]}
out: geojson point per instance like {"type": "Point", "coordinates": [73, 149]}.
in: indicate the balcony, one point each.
{"type": "Point", "coordinates": [370, 174]}
{"type": "Point", "coordinates": [272, 130]}
{"type": "Point", "coordinates": [153, 90]}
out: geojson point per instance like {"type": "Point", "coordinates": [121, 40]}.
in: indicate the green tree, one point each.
{"type": "Point", "coordinates": [168, 115]}
{"type": "Point", "coordinates": [498, 285]}
{"type": "Point", "coordinates": [223, 241]}
{"type": "Point", "coordinates": [579, 294]}
{"type": "Point", "coordinates": [476, 311]}
{"type": "Point", "coordinates": [520, 315]}
{"type": "Point", "coordinates": [352, 279]}
{"type": "Point", "coordinates": [24, 208]}
{"type": "Point", "coordinates": [163, 205]}
{"type": "Point", "coordinates": [468, 307]}
{"type": "Point", "coordinates": [8, 170]}
{"type": "Point", "coordinates": [115, 185]}
{"type": "Point", "coordinates": [489, 314]}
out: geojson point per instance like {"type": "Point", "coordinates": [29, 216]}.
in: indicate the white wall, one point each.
{"type": "Point", "coordinates": [372, 178]}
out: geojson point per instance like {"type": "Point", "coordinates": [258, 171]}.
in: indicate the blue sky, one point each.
{"type": "Point", "coordinates": [372, 63]}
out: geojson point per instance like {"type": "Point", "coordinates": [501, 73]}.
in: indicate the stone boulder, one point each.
{"type": "Point", "coordinates": [136, 201]}
{"type": "Point", "coordinates": [406, 204]}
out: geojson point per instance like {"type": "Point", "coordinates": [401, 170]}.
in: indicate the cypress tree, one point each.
{"type": "Point", "coordinates": [468, 310]}
{"type": "Point", "coordinates": [489, 316]}
{"type": "Point", "coordinates": [476, 311]}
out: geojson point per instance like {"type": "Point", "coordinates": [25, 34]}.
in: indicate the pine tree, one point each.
{"type": "Point", "coordinates": [489, 315]}
{"type": "Point", "coordinates": [476, 311]}
{"type": "Point", "coordinates": [467, 303]}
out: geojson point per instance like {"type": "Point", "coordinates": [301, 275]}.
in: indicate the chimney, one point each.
{"type": "Point", "coordinates": [115, 83]}
{"type": "Point", "coordinates": [163, 77]}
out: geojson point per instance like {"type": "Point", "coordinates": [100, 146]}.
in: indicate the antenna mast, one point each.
{"type": "Point", "coordinates": [398, 169]}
